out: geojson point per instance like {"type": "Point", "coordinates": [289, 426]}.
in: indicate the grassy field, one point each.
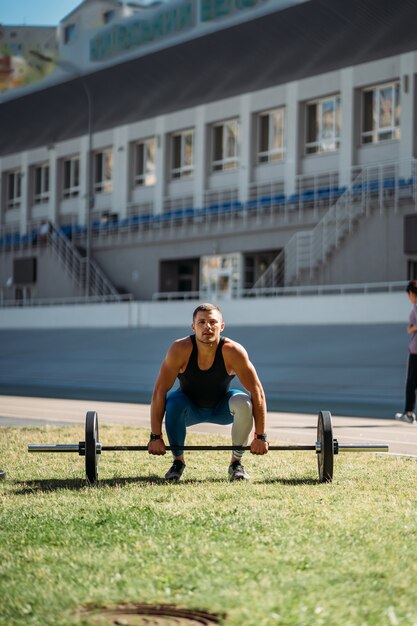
{"type": "Point", "coordinates": [282, 549]}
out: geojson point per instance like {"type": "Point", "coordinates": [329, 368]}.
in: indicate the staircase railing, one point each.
{"type": "Point", "coordinates": [306, 249]}
{"type": "Point", "coordinates": [76, 266]}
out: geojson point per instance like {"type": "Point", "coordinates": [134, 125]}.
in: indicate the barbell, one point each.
{"type": "Point", "coordinates": [326, 447]}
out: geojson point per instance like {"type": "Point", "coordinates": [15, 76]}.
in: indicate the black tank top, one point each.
{"type": "Point", "coordinates": [205, 387]}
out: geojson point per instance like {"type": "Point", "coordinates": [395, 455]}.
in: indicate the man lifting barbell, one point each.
{"type": "Point", "coordinates": [205, 364]}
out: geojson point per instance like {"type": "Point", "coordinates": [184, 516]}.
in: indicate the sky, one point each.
{"type": "Point", "coordinates": [35, 12]}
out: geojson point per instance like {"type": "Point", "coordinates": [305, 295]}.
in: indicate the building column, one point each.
{"type": "Point", "coordinates": [25, 195]}
{"type": "Point", "coordinates": [348, 133]}
{"type": "Point", "coordinates": [54, 198]}
{"type": "Point", "coordinates": [407, 121]}
{"type": "Point", "coordinates": [200, 156]}
{"type": "Point", "coordinates": [245, 147]}
{"type": "Point", "coordinates": [83, 212]}
{"type": "Point", "coordinates": [160, 165]}
{"type": "Point", "coordinates": [121, 174]}
{"type": "Point", "coordinates": [292, 134]}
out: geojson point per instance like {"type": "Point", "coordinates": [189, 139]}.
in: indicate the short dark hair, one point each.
{"type": "Point", "coordinates": [206, 306]}
{"type": "Point", "coordinates": [412, 287]}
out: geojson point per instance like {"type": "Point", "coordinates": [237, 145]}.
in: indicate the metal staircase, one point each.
{"type": "Point", "coordinates": [75, 264]}
{"type": "Point", "coordinates": [307, 251]}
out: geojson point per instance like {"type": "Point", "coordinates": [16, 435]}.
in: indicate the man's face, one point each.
{"type": "Point", "coordinates": [207, 326]}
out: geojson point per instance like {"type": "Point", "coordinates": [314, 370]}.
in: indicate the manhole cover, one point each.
{"type": "Point", "coordinates": [150, 615]}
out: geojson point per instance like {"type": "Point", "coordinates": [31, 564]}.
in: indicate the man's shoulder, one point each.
{"type": "Point", "coordinates": [232, 347]}
{"type": "Point", "coordinates": [181, 345]}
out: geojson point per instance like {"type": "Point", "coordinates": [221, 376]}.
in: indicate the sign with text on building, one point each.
{"type": "Point", "coordinates": [170, 19]}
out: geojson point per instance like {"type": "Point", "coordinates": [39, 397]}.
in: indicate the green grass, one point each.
{"type": "Point", "coordinates": [282, 549]}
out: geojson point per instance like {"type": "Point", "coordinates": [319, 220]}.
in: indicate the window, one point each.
{"type": "Point", "coordinates": [381, 113]}
{"type": "Point", "coordinates": [108, 16]}
{"type": "Point", "coordinates": [144, 163]}
{"type": "Point", "coordinates": [179, 275]}
{"type": "Point", "coordinates": [221, 275]}
{"type": "Point", "coordinates": [271, 136]}
{"type": "Point", "coordinates": [103, 171]}
{"type": "Point", "coordinates": [183, 154]}
{"type": "Point", "coordinates": [225, 145]}
{"type": "Point", "coordinates": [14, 189]}
{"type": "Point", "coordinates": [255, 264]}
{"type": "Point", "coordinates": [69, 33]}
{"type": "Point", "coordinates": [41, 184]}
{"type": "Point", "coordinates": [71, 183]}
{"type": "Point", "coordinates": [323, 125]}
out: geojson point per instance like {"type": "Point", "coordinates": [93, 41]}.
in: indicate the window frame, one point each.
{"type": "Point", "coordinates": [41, 193]}
{"type": "Point", "coordinates": [182, 169]}
{"type": "Point", "coordinates": [225, 163]}
{"type": "Point", "coordinates": [109, 16]}
{"type": "Point", "coordinates": [374, 134]}
{"type": "Point", "coordinates": [14, 201]}
{"type": "Point", "coordinates": [147, 176]}
{"type": "Point", "coordinates": [102, 182]}
{"type": "Point", "coordinates": [70, 31]}
{"type": "Point", "coordinates": [318, 146]}
{"type": "Point", "coordinates": [271, 154]}
{"type": "Point", "coordinates": [73, 190]}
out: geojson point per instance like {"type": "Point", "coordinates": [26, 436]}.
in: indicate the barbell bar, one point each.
{"type": "Point", "coordinates": [326, 447]}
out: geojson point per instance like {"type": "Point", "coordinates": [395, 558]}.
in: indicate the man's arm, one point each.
{"type": "Point", "coordinates": [166, 378]}
{"type": "Point", "coordinates": [238, 360]}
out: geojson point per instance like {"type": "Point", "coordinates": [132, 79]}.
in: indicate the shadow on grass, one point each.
{"type": "Point", "coordinates": [76, 484]}
{"type": "Point", "coordinates": [291, 481]}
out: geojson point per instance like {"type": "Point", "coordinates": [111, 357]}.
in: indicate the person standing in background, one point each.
{"type": "Point", "coordinates": [409, 415]}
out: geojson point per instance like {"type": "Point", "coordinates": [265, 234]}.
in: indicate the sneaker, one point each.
{"type": "Point", "coordinates": [237, 471]}
{"type": "Point", "coordinates": [175, 472]}
{"type": "Point", "coordinates": [405, 417]}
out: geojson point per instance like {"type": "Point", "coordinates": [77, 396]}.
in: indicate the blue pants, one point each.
{"type": "Point", "coordinates": [236, 408]}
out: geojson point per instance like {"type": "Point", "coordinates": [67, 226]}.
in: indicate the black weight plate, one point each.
{"type": "Point", "coordinates": [325, 457]}
{"type": "Point", "coordinates": [91, 440]}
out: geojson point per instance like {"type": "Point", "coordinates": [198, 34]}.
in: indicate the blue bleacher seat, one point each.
{"type": "Point", "coordinates": [279, 198]}
{"type": "Point", "coordinates": [12, 239]}
{"type": "Point", "coordinates": [405, 182]}
{"type": "Point", "coordinates": [66, 230]}
{"type": "Point", "coordinates": [307, 196]}
{"type": "Point", "coordinates": [252, 204]}
{"type": "Point", "coordinates": [358, 188]}
{"type": "Point", "coordinates": [266, 201]}
{"type": "Point", "coordinates": [80, 229]}
{"type": "Point", "coordinates": [389, 183]}
{"type": "Point", "coordinates": [323, 193]}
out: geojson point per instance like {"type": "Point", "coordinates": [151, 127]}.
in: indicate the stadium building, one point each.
{"type": "Point", "coordinates": [213, 149]}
